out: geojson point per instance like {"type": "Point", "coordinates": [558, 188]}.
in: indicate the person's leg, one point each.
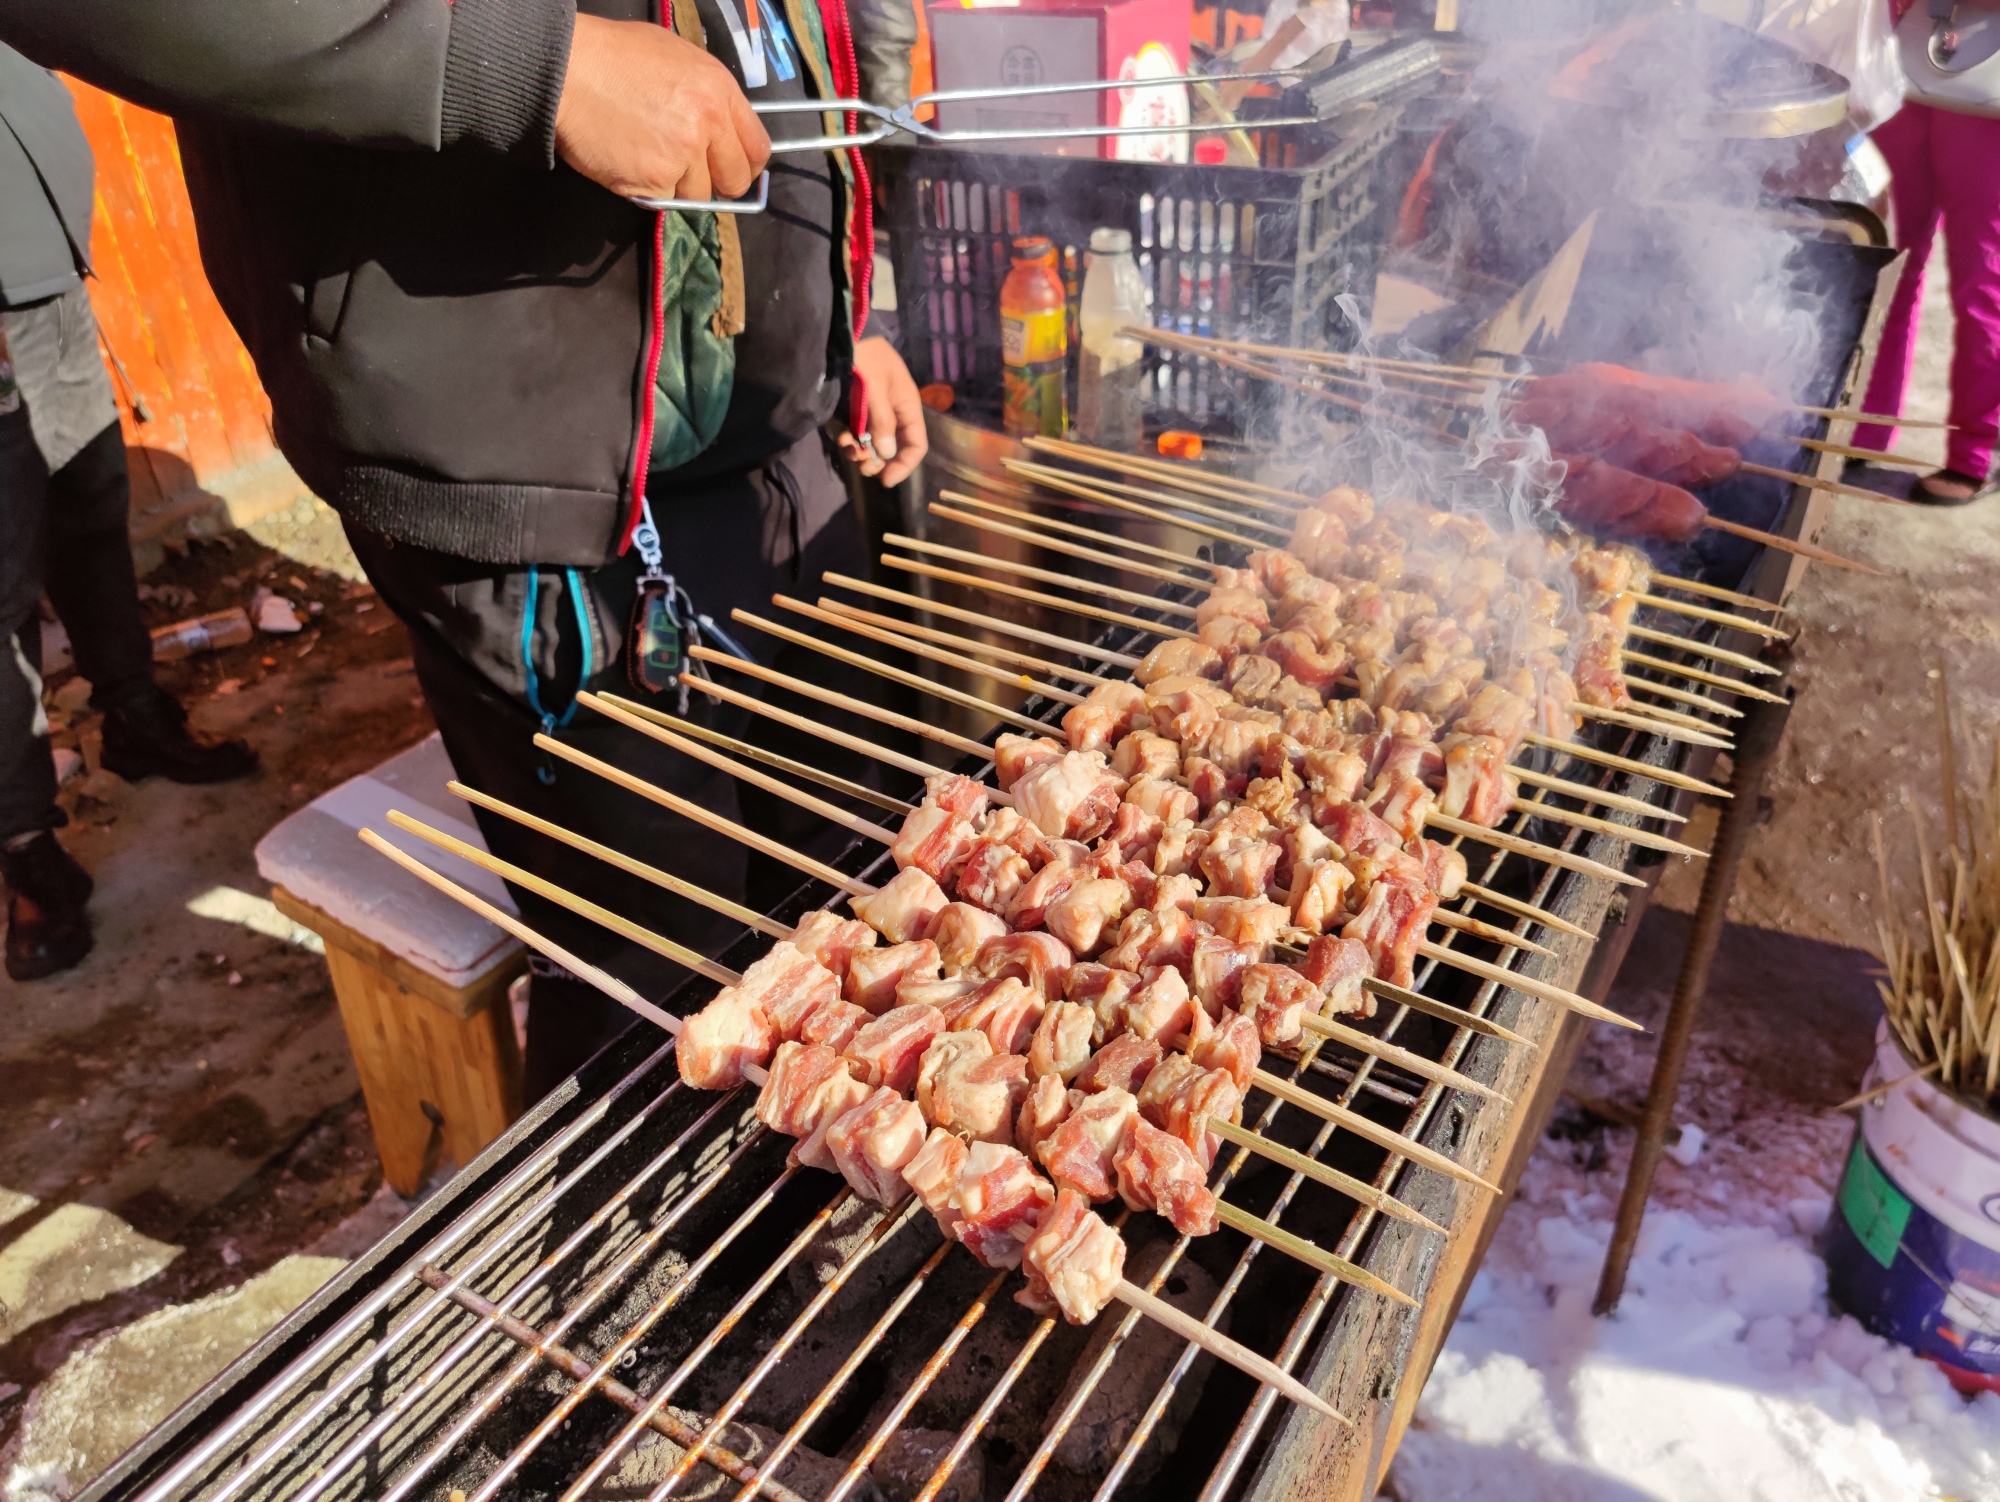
{"type": "Point", "coordinates": [466, 625]}
{"type": "Point", "coordinates": [48, 928]}
{"type": "Point", "coordinates": [27, 770]}
{"type": "Point", "coordinates": [1967, 151]}
{"type": "Point", "coordinates": [1905, 141]}
{"type": "Point", "coordinates": [89, 575]}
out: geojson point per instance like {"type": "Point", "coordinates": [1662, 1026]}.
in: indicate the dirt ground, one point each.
{"type": "Point", "coordinates": [191, 1077]}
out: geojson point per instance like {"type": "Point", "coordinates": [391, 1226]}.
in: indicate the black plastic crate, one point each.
{"type": "Point", "coordinates": [1256, 253]}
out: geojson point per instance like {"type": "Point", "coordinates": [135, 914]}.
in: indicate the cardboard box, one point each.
{"type": "Point", "coordinates": [1081, 41]}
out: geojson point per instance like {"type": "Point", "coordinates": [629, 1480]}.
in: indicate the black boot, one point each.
{"type": "Point", "coordinates": [48, 929]}
{"type": "Point", "coordinates": [149, 733]}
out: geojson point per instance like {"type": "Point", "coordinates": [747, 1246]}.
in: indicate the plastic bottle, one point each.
{"type": "Point", "coordinates": [1110, 400]}
{"type": "Point", "coordinates": [205, 633]}
{"type": "Point", "coordinates": [1034, 343]}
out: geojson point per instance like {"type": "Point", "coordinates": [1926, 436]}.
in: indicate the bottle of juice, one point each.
{"type": "Point", "coordinates": [1034, 343]}
{"type": "Point", "coordinates": [1109, 401]}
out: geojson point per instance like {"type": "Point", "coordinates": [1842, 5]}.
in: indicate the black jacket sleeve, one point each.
{"type": "Point", "coordinates": [411, 74]}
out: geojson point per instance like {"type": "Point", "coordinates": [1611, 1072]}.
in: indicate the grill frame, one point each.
{"type": "Point", "coordinates": [1408, 1256]}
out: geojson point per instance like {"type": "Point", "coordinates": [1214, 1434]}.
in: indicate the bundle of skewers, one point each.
{"type": "Point", "coordinates": [1063, 997]}
{"type": "Point", "coordinates": [1633, 446]}
{"type": "Point", "coordinates": [1942, 991]}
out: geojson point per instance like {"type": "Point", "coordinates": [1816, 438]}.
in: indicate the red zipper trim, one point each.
{"type": "Point", "coordinates": [861, 266]}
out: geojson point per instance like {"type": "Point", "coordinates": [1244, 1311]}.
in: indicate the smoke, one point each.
{"type": "Point", "coordinates": [1562, 127]}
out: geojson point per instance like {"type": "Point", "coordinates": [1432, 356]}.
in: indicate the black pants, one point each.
{"type": "Point", "coordinates": [64, 533]}
{"type": "Point", "coordinates": [732, 542]}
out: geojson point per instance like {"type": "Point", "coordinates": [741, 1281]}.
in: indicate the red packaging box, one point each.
{"type": "Point", "coordinates": [1068, 41]}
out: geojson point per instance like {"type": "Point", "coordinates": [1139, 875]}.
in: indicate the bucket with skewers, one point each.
{"type": "Point", "coordinates": [1913, 1244]}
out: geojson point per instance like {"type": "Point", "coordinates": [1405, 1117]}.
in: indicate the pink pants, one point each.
{"type": "Point", "coordinates": [1947, 167]}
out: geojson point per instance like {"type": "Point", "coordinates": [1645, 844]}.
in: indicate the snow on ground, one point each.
{"type": "Point", "coordinates": [1723, 1376]}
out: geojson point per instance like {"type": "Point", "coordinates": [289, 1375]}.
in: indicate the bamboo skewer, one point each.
{"type": "Point", "coordinates": [748, 917]}
{"type": "Point", "coordinates": [1005, 655]}
{"type": "Point", "coordinates": [625, 928]}
{"type": "Point", "coordinates": [1216, 1343]}
{"type": "Point", "coordinates": [1522, 909]}
{"type": "Point", "coordinates": [1733, 685]}
{"type": "Point", "coordinates": [1108, 493]}
{"type": "Point", "coordinates": [1626, 764]}
{"type": "Point", "coordinates": [882, 670]}
{"type": "Point", "coordinates": [1672, 728]}
{"type": "Point", "coordinates": [507, 923]}
{"type": "Point", "coordinates": [1702, 649]}
{"type": "Point", "coordinates": [1606, 827]}
{"type": "Point", "coordinates": [1386, 1138]}
{"type": "Point", "coordinates": [741, 771]}
{"type": "Point", "coordinates": [1567, 788]}
{"type": "Point", "coordinates": [1446, 918]}
{"type": "Point", "coordinates": [1186, 1326]}
{"type": "Point", "coordinates": [1332, 1178]}
{"type": "Point", "coordinates": [1501, 840]}
{"type": "Point", "coordinates": [1681, 696]}
{"type": "Point", "coordinates": [1034, 597]}
{"type": "Point", "coordinates": [1680, 717]}
{"type": "Point", "coordinates": [1836, 413]}
{"type": "Point", "coordinates": [884, 754]}
{"type": "Point", "coordinates": [704, 817]}
{"type": "Point", "coordinates": [1074, 529]}
{"type": "Point", "coordinates": [1720, 617]}
{"type": "Point", "coordinates": [929, 653]}
{"type": "Point", "coordinates": [1872, 456]}
{"type": "Point", "coordinates": [1416, 1001]}
{"type": "Point", "coordinates": [964, 745]}
{"type": "Point", "coordinates": [1139, 464]}
{"type": "Point", "coordinates": [974, 618]}
{"type": "Point", "coordinates": [1308, 1252]}
{"type": "Point", "coordinates": [1402, 1058]}
{"type": "Point", "coordinates": [1132, 597]}
{"type": "Point", "coordinates": [1057, 545]}
{"type": "Point", "coordinates": [758, 754]}
{"type": "Point", "coordinates": [1792, 545]}
{"type": "Point", "coordinates": [1814, 482]}
{"type": "Point", "coordinates": [1653, 725]}
{"type": "Point", "coordinates": [1527, 985]}
{"type": "Point", "coordinates": [1716, 592]}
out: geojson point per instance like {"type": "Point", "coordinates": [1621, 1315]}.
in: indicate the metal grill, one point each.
{"type": "Point", "coordinates": [635, 1263]}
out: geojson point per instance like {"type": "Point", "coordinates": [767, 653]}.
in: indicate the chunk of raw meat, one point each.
{"type": "Point", "coordinates": [873, 1143]}
{"type": "Point", "coordinates": [1159, 1172]}
{"type": "Point", "coordinates": [889, 1049]}
{"type": "Point", "coordinates": [902, 910]}
{"type": "Point", "coordinates": [1061, 1045]}
{"type": "Point", "coordinates": [933, 840]}
{"type": "Point", "coordinates": [874, 974]}
{"type": "Point", "coordinates": [959, 930]}
{"type": "Point", "coordinates": [1080, 1153]}
{"type": "Point", "coordinates": [1122, 1064]}
{"type": "Point", "coordinates": [1075, 1262]}
{"type": "Point", "coordinates": [832, 940]}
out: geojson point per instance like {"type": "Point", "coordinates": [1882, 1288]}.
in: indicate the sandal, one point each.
{"type": "Point", "coordinates": [1926, 492]}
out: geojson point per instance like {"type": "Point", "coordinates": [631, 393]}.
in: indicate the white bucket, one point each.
{"type": "Point", "coordinates": [1913, 1248]}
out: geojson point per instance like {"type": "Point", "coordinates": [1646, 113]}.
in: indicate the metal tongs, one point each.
{"type": "Point", "coordinates": [886, 122]}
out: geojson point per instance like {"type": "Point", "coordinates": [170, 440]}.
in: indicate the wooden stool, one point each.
{"type": "Point", "coordinates": [421, 981]}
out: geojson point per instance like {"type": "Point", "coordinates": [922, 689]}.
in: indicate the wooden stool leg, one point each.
{"type": "Point", "coordinates": [385, 1032]}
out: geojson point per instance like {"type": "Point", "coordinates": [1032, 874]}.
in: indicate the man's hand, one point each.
{"type": "Point", "coordinates": [895, 416]}
{"type": "Point", "coordinates": [651, 116]}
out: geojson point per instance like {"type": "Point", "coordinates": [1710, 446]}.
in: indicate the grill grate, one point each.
{"type": "Point", "coordinates": [619, 1222]}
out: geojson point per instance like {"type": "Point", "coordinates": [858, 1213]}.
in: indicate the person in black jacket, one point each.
{"type": "Point", "coordinates": [553, 422]}
{"type": "Point", "coordinates": [64, 500]}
